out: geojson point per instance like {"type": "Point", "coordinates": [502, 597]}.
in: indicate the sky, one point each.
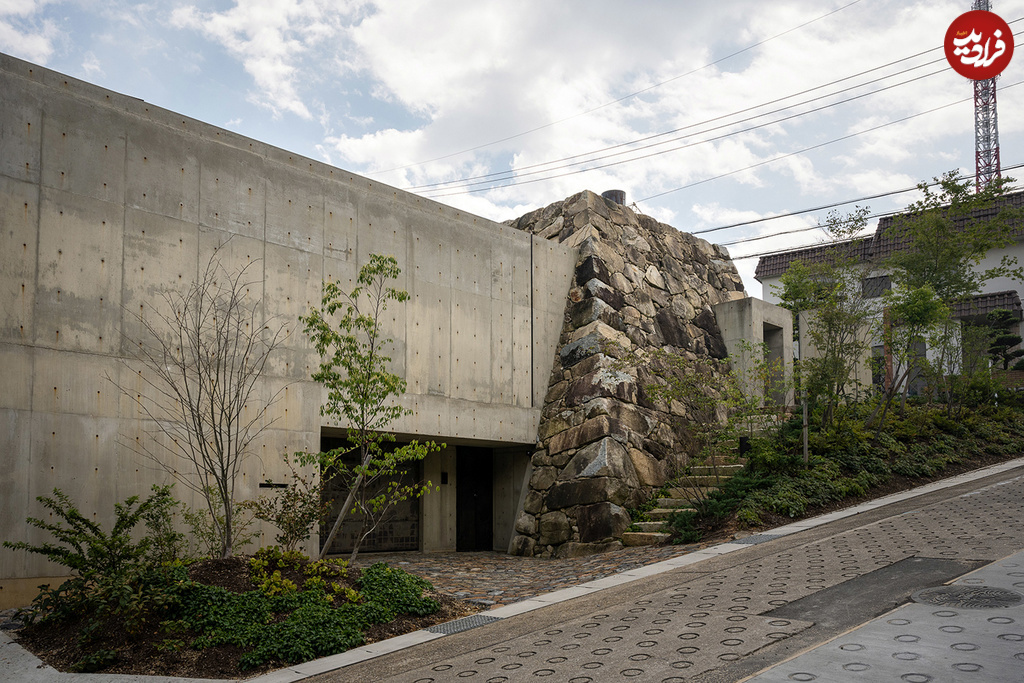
{"type": "Point", "coordinates": [706, 114]}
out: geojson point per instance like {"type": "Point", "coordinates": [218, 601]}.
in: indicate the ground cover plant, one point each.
{"type": "Point", "coordinates": [848, 462]}
{"type": "Point", "coordinates": [133, 608]}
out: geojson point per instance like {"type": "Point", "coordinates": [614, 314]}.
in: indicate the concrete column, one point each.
{"type": "Point", "coordinates": [437, 511]}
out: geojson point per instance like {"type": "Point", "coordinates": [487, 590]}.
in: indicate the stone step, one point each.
{"type": "Point", "coordinates": [711, 470]}
{"type": "Point", "coordinates": [674, 503]}
{"type": "Point", "coordinates": [704, 480]}
{"type": "Point", "coordinates": [637, 538]}
{"type": "Point", "coordinates": [721, 460]}
{"type": "Point", "coordinates": [690, 493]}
{"type": "Point", "coordinates": [663, 513]}
{"type": "Point", "coordinates": [650, 527]}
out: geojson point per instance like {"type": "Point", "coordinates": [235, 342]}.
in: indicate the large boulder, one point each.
{"type": "Point", "coordinates": [601, 522]}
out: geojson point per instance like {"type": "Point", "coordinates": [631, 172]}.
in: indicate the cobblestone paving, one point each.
{"type": "Point", "coordinates": [696, 626]}
{"type": "Point", "coordinates": [491, 578]}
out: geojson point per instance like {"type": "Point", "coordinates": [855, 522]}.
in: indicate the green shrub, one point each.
{"type": "Point", "coordinates": [116, 576]}
{"type": "Point", "coordinates": [312, 626]}
{"type": "Point", "coordinates": [396, 591]}
{"type": "Point", "coordinates": [293, 510]}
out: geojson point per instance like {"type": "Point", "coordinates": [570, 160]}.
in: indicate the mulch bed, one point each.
{"type": "Point", "coordinates": [55, 643]}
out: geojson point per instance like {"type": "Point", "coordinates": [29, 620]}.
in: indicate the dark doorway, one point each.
{"type": "Point", "coordinates": [474, 492]}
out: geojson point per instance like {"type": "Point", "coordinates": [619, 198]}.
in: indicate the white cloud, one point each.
{"type": "Point", "coordinates": [272, 38]}
{"type": "Point", "coordinates": [23, 33]}
{"type": "Point", "coordinates": [91, 65]}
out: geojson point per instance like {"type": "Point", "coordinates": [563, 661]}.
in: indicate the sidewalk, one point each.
{"type": "Point", "coordinates": [725, 613]}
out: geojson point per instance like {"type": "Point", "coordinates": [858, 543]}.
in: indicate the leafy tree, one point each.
{"type": "Point", "coordinates": [204, 357]}
{"type": "Point", "coordinates": [942, 241]}
{"type": "Point", "coordinates": [1003, 345]}
{"type": "Point", "coordinates": [839, 320]}
{"type": "Point", "coordinates": [912, 315]}
{"type": "Point", "coordinates": [946, 235]}
{"type": "Point", "coordinates": [957, 368]}
{"type": "Point", "coordinates": [363, 392]}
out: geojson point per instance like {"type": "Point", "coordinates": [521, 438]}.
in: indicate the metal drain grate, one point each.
{"type": "Point", "coordinates": [755, 538]}
{"type": "Point", "coordinates": [980, 597]}
{"type": "Point", "coordinates": [463, 624]}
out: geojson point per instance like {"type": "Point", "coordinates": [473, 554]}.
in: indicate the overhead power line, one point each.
{"type": "Point", "coordinates": [818, 146]}
{"type": "Point", "coordinates": [498, 175]}
{"type": "Point", "coordinates": [624, 97]}
{"type": "Point", "coordinates": [516, 180]}
{"type": "Point", "coordinates": [475, 187]}
{"type": "Point", "coordinates": [818, 226]}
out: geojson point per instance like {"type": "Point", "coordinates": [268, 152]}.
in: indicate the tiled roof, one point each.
{"type": "Point", "coordinates": [983, 304]}
{"type": "Point", "coordinates": [884, 242]}
{"type": "Point", "coordinates": [888, 241]}
{"type": "Point", "coordinates": [777, 264]}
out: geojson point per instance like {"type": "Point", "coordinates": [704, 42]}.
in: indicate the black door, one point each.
{"type": "Point", "coordinates": [473, 499]}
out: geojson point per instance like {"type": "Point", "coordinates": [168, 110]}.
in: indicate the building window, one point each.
{"type": "Point", "coordinates": [874, 287]}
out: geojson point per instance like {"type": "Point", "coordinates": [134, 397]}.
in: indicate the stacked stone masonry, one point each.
{"type": "Point", "coordinates": [604, 443]}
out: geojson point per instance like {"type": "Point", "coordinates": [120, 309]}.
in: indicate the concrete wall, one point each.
{"type": "Point", "coordinates": [753, 321]}
{"type": "Point", "coordinates": [106, 201]}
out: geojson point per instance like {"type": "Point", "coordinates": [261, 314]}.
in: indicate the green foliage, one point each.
{"type": "Point", "coordinates": [847, 462]}
{"type": "Point", "coordinates": [397, 591]}
{"type": "Point", "coordinates": [1003, 343]}
{"type": "Point", "coordinates": [347, 332]}
{"type": "Point", "coordinates": [95, 661]}
{"type": "Point", "coordinates": [837, 315]}
{"type": "Point", "coordinates": [299, 625]}
{"type": "Point", "coordinates": [206, 523]}
{"type": "Point", "coordinates": [116, 576]}
{"type": "Point", "coordinates": [300, 610]}
{"type": "Point", "coordinates": [912, 316]}
{"type": "Point", "coordinates": [295, 509]}
{"type": "Point", "coordinates": [82, 545]}
{"type": "Point", "coordinates": [949, 231]}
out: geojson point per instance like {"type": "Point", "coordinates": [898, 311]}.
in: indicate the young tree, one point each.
{"type": "Point", "coordinates": [911, 317]}
{"type": "Point", "coordinates": [363, 392]}
{"type": "Point", "coordinates": [202, 359]}
{"type": "Point", "coordinates": [839, 315]}
{"type": "Point", "coordinates": [957, 366]}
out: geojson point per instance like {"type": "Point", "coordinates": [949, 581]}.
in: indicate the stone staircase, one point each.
{"type": "Point", "coordinates": [701, 481]}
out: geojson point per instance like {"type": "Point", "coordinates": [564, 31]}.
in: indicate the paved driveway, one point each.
{"type": "Point", "coordinates": [731, 611]}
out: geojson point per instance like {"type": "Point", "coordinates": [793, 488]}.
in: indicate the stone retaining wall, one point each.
{"type": "Point", "coordinates": [604, 444]}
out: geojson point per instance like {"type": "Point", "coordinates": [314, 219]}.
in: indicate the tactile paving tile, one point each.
{"type": "Point", "coordinates": [641, 640]}
{"type": "Point", "coordinates": [917, 644]}
{"type": "Point", "coordinates": [921, 643]}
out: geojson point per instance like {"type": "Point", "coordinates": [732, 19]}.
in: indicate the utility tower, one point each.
{"type": "Point", "coordinates": [986, 124]}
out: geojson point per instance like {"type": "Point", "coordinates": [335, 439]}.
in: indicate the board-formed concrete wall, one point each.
{"type": "Point", "coordinates": [106, 201]}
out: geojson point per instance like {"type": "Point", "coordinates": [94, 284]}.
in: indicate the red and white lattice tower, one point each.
{"type": "Point", "coordinates": [986, 124]}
